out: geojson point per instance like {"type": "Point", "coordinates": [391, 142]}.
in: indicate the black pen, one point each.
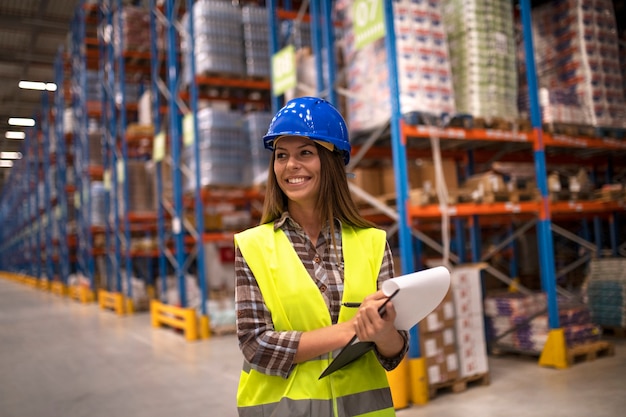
{"type": "Point", "coordinates": [381, 311]}
{"type": "Point", "coordinates": [352, 305]}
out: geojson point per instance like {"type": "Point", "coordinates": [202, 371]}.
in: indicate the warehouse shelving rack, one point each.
{"type": "Point", "coordinates": [165, 20]}
{"type": "Point", "coordinates": [409, 219]}
{"type": "Point", "coordinates": [83, 57]}
{"type": "Point", "coordinates": [59, 286]}
{"type": "Point", "coordinates": [181, 223]}
{"type": "Point", "coordinates": [48, 250]}
{"type": "Point", "coordinates": [117, 67]}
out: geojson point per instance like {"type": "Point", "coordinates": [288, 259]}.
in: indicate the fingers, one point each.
{"type": "Point", "coordinates": [369, 325]}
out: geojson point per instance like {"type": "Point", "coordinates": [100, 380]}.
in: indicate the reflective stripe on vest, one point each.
{"type": "Point", "coordinates": [295, 303]}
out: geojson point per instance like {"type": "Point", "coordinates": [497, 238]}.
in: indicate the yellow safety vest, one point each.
{"type": "Point", "coordinates": [295, 303]}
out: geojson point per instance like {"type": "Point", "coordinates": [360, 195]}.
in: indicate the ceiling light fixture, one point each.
{"type": "Point", "coordinates": [10, 155]}
{"type": "Point", "coordinates": [37, 85]}
{"type": "Point", "coordinates": [21, 121]}
{"type": "Point", "coordinates": [15, 135]}
{"type": "Point", "coordinates": [6, 164]}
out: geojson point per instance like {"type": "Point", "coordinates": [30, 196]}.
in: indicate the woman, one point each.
{"type": "Point", "coordinates": [311, 253]}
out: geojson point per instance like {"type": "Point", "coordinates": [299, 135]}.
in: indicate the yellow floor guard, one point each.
{"type": "Point", "coordinates": [184, 319]}
{"type": "Point", "coordinates": [554, 352]}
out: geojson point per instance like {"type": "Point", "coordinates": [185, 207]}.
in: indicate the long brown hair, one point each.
{"type": "Point", "coordinates": [335, 199]}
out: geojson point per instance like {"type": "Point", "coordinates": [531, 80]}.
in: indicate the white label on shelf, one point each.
{"type": "Point", "coordinates": [158, 149]}
{"type": "Point", "coordinates": [119, 166]}
{"type": "Point", "coordinates": [188, 136]}
{"type": "Point", "coordinates": [106, 179]}
{"type": "Point", "coordinates": [176, 225]}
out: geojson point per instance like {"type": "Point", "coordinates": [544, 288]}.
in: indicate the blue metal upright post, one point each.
{"type": "Point", "coordinates": [61, 163]}
{"type": "Point", "coordinates": [199, 204]}
{"type": "Point", "coordinates": [175, 130]}
{"type": "Point", "coordinates": [273, 25]}
{"type": "Point", "coordinates": [329, 49]}
{"type": "Point", "coordinates": [156, 121]}
{"type": "Point", "coordinates": [398, 145]}
{"type": "Point", "coordinates": [48, 251]}
{"type": "Point", "coordinates": [118, 26]}
{"type": "Point", "coordinates": [554, 352]}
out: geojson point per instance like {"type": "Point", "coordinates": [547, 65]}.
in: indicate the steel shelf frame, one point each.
{"type": "Point", "coordinates": [61, 158]}
{"type": "Point", "coordinates": [82, 175]}
{"type": "Point", "coordinates": [47, 220]}
{"type": "Point", "coordinates": [112, 157]}
{"type": "Point", "coordinates": [541, 213]}
{"type": "Point", "coordinates": [180, 259]}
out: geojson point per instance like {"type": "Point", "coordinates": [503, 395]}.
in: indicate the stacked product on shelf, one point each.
{"type": "Point", "coordinates": [424, 75]}
{"type": "Point", "coordinates": [256, 41]}
{"type": "Point", "coordinates": [577, 61]}
{"type": "Point", "coordinates": [98, 194]}
{"type": "Point", "coordinates": [519, 322]}
{"type": "Point", "coordinates": [224, 149]}
{"type": "Point", "coordinates": [135, 29]}
{"type": "Point", "coordinates": [140, 198]}
{"type": "Point", "coordinates": [606, 292]}
{"type": "Point", "coordinates": [482, 57]}
{"type": "Point", "coordinates": [255, 125]}
{"type": "Point", "coordinates": [218, 39]}
{"type": "Point", "coordinates": [470, 330]}
{"type": "Point", "coordinates": [438, 343]}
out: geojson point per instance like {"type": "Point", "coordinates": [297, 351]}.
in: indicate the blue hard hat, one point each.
{"type": "Point", "coordinates": [311, 117]}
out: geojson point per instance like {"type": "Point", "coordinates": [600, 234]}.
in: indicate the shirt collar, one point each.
{"type": "Point", "coordinates": [286, 220]}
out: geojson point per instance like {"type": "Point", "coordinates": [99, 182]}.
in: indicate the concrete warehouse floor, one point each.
{"type": "Point", "coordinates": [61, 358]}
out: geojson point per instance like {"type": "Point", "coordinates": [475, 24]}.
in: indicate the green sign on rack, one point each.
{"type": "Point", "coordinates": [284, 70]}
{"type": "Point", "coordinates": [188, 129]}
{"type": "Point", "coordinates": [368, 21]}
{"type": "Point", "coordinates": [158, 147]}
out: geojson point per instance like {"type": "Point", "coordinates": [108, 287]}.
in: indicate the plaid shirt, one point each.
{"type": "Point", "coordinates": [272, 352]}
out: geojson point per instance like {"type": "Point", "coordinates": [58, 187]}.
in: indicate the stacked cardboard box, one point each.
{"type": "Point", "coordinates": [577, 60]}
{"type": "Point", "coordinates": [470, 330]}
{"type": "Point", "coordinates": [482, 54]}
{"type": "Point", "coordinates": [524, 320]}
{"type": "Point", "coordinates": [438, 343]}
{"type": "Point", "coordinates": [606, 292]}
{"type": "Point", "coordinates": [424, 75]}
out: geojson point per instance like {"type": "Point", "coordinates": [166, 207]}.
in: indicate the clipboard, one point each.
{"type": "Point", "coordinates": [419, 293]}
{"type": "Point", "coordinates": [354, 349]}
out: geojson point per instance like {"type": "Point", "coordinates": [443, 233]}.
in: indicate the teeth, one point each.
{"type": "Point", "coordinates": [295, 180]}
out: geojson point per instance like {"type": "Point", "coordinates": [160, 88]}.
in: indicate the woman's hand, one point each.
{"type": "Point", "coordinates": [370, 326]}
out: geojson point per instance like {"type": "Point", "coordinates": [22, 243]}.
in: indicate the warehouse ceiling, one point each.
{"type": "Point", "coordinates": [31, 32]}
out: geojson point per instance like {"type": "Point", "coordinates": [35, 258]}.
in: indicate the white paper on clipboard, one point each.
{"type": "Point", "coordinates": [420, 293]}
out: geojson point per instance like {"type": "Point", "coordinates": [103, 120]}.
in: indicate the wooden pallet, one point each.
{"type": "Point", "coordinates": [589, 351]}
{"type": "Point", "coordinates": [614, 331]}
{"type": "Point", "coordinates": [459, 385]}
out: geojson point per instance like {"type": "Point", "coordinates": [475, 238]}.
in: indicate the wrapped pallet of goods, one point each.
{"type": "Point", "coordinates": [606, 293]}
{"type": "Point", "coordinates": [424, 75]}
{"type": "Point", "coordinates": [224, 149]}
{"type": "Point", "coordinates": [578, 67]}
{"type": "Point", "coordinates": [482, 59]}
{"type": "Point", "coordinates": [256, 41]}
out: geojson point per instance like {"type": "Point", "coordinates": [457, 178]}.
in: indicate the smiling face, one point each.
{"type": "Point", "coordinates": [297, 169]}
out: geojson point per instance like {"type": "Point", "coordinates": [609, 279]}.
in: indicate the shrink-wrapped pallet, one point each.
{"type": "Point", "coordinates": [224, 149]}
{"type": "Point", "coordinates": [424, 75]}
{"type": "Point", "coordinates": [256, 40]}
{"type": "Point", "coordinates": [577, 62]}
{"type": "Point", "coordinates": [482, 57]}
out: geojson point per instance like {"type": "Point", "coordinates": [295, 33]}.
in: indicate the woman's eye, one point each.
{"type": "Point", "coordinates": [281, 155]}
